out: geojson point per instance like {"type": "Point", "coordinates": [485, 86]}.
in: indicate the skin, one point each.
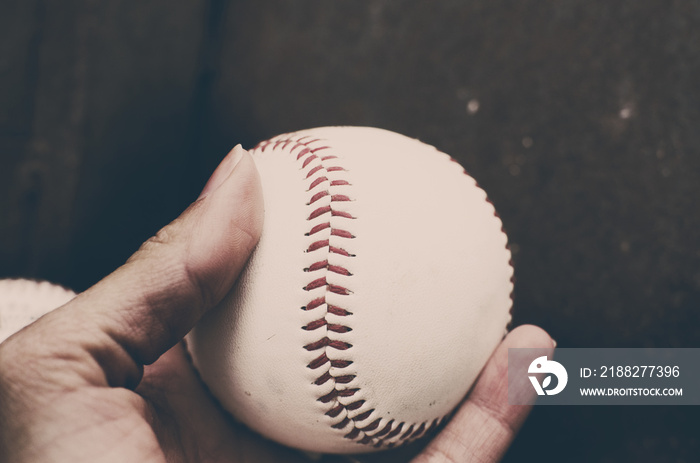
{"type": "Point", "coordinates": [105, 377]}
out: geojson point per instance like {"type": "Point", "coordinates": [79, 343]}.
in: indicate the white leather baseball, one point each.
{"type": "Point", "coordinates": [379, 289]}
{"type": "Point", "coordinates": [24, 301]}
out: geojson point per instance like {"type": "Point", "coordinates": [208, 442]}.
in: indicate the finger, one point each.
{"type": "Point", "coordinates": [143, 308]}
{"type": "Point", "coordinates": [484, 426]}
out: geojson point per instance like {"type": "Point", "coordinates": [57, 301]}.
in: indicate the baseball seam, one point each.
{"type": "Point", "coordinates": [351, 415]}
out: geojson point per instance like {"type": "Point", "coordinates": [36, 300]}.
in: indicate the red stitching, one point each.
{"type": "Point", "coordinates": [317, 266]}
{"type": "Point", "coordinates": [373, 425]}
{"type": "Point", "coordinates": [337, 289]}
{"type": "Point", "coordinates": [317, 182]}
{"type": "Point", "coordinates": [408, 432]}
{"type": "Point", "coordinates": [324, 378]}
{"type": "Point", "coordinates": [321, 322]}
{"type": "Point", "coordinates": [335, 310]}
{"type": "Point", "coordinates": [364, 415]}
{"type": "Point", "coordinates": [335, 411]}
{"type": "Point", "coordinates": [319, 212]}
{"type": "Point", "coordinates": [395, 432]}
{"type": "Point", "coordinates": [335, 393]}
{"type": "Point", "coordinates": [342, 233]}
{"type": "Point", "coordinates": [343, 379]}
{"type": "Point", "coordinates": [367, 439]}
{"type": "Point", "coordinates": [342, 424]}
{"type": "Point", "coordinates": [315, 303]}
{"type": "Point", "coordinates": [318, 283]}
{"type": "Point", "coordinates": [316, 324]}
{"type": "Point", "coordinates": [341, 363]}
{"type": "Point", "coordinates": [331, 268]}
{"type": "Point", "coordinates": [316, 245]}
{"type": "Point", "coordinates": [323, 359]}
{"type": "Point", "coordinates": [385, 429]}
{"type": "Point", "coordinates": [343, 252]}
{"type": "Point", "coordinates": [344, 214]}
{"type": "Point", "coordinates": [339, 270]}
{"type": "Point", "coordinates": [317, 196]}
{"type": "Point", "coordinates": [318, 228]}
{"type": "Point", "coordinates": [318, 362]}
{"type": "Point", "coordinates": [321, 244]}
{"type": "Point", "coordinates": [354, 405]}
{"type": "Point", "coordinates": [366, 435]}
{"type": "Point", "coordinates": [313, 171]}
{"type": "Point", "coordinates": [308, 160]}
{"type": "Point", "coordinates": [328, 342]}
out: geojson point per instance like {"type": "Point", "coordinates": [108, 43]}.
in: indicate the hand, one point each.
{"type": "Point", "coordinates": [104, 378]}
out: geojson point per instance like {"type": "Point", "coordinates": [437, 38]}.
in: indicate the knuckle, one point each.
{"type": "Point", "coordinates": [164, 236]}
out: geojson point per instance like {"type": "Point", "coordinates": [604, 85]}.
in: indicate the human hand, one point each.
{"type": "Point", "coordinates": [105, 378]}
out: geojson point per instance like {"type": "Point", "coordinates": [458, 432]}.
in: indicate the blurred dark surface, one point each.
{"type": "Point", "coordinates": [579, 118]}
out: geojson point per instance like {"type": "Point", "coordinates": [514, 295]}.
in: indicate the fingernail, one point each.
{"type": "Point", "coordinates": [223, 171]}
{"type": "Point", "coordinates": [554, 343]}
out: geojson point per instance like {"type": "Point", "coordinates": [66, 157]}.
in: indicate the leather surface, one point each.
{"type": "Point", "coordinates": [423, 269]}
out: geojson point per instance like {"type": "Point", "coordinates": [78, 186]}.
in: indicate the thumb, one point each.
{"type": "Point", "coordinates": [146, 306]}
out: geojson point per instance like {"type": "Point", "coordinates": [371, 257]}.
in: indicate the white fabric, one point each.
{"type": "Point", "coordinates": [429, 292]}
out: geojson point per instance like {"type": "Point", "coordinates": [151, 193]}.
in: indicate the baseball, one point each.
{"type": "Point", "coordinates": [379, 288]}
{"type": "Point", "coordinates": [24, 301]}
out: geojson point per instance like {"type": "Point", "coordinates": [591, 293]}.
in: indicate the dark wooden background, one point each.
{"type": "Point", "coordinates": [581, 119]}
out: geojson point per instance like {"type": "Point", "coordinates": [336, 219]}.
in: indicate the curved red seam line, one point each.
{"type": "Point", "coordinates": [326, 342]}
{"type": "Point", "coordinates": [380, 438]}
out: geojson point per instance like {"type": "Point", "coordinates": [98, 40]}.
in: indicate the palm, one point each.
{"type": "Point", "coordinates": [190, 426]}
{"type": "Point", "coordinates": [72, 416]}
